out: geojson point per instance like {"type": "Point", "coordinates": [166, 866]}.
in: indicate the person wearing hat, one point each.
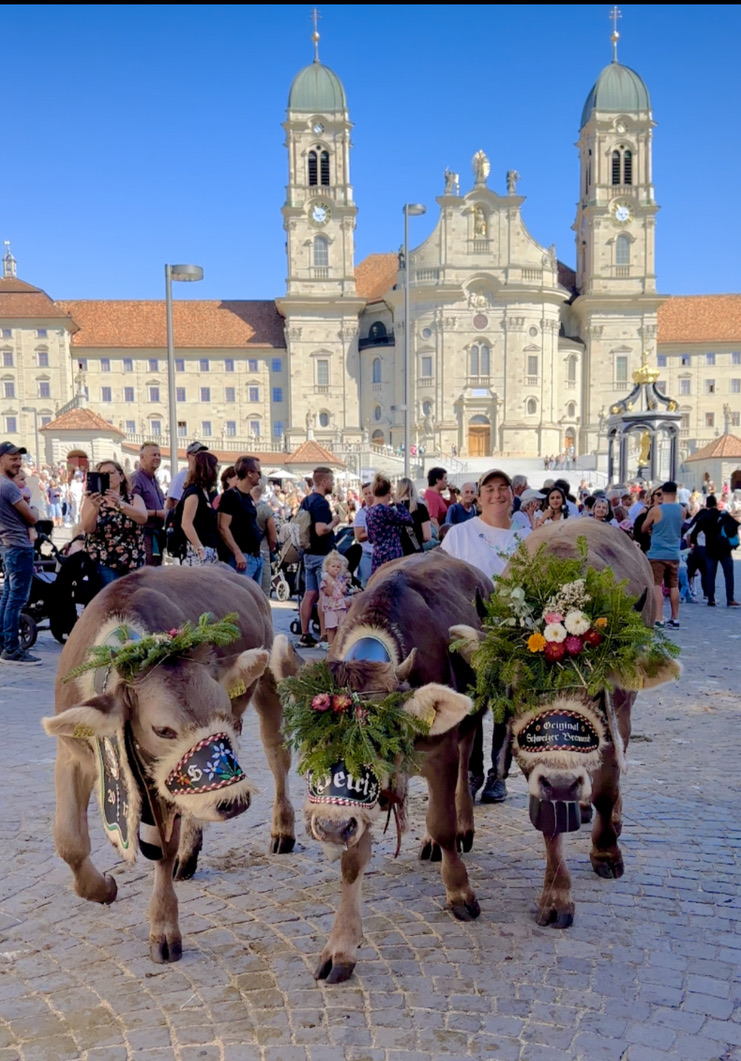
{"type": "Point", "coordinates": [16, 549]}
{"type": "Point", "coordinates": [530, 510]}
{"type": "Point", "coordinates": [177, 482]}
{"type": "Point", "coordinates": [485, 542]}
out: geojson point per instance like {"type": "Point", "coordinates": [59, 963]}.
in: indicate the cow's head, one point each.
{"type": "Point", "coordinates": [337, 810]}
{"type": "Point", "coordinates": [183, 716]}
{"type": "Point", "coordinates": [559, 743]}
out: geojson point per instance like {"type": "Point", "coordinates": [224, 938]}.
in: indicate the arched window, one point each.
{"type": "Point", "coordinates": [376, 369]}
{"type": "Point", "coordinates": [377, 330]}
{"type": "Point", "coordinates": [571, 369]}
{"type": "Point", "coordinates": [616, 167]}
{"type": "Point", "coordinates": [321, 251]}
{"type": "Point", "coordinates": [324, 419]}
{"type": "Point", "coordinates": [532, 406]}
{"type": "Point", "coordinates": [622, 250]}
{"type": "Point", "coordinates": [324, 160]}
{"type": "Point", "coordinates": [377, 413]}
{"type": "Point", "coordinates": [426, 408]}
{"type": "Point", "coordinates": [313, 169]}
{"type": "Point", "coordinates": [622, 165]}
{"type": "Point", "coordinates": [484, 361]}
{"type": "Point", "coordinates": [473, 360]}
{"type": "Point", "coordinates": [628, 167]}
{"type": "Point", "coordinates": [571, 410]}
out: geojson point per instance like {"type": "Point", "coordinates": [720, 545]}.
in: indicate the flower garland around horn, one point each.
{"type": "Point", "coordinates": [135, 654]}
{"type": "Point", "coordinates": [557, 626]}
{"type": "Point", "coordinates": [327, 724]}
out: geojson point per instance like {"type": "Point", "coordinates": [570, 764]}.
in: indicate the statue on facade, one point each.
{"type": "Point", "coordinates": [727, 419]}
{"type": "Point", "coordinates": [480, 227]}
{"type": "Point", "coordinates": [402, 259]}
{"type": "Point", "coordinates": [452, 183]}
{"type": "Point", "coordinates": [429, 424]}
{"type": "Point", "coordinates": [481, 168]}
{"type": "Point", "coordinates": [512, 178]}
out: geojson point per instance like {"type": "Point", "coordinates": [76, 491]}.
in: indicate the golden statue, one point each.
{"type": "Point", "coordinates": [644, 453]}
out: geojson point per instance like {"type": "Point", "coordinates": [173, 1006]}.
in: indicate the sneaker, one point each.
{"type": "Point", "coordinates": [495, 790]}
{"type": "Point", "coordinates": [674, 623]}
{"type": "Point", "coordinates": [659, 624]}
{"type": "Point", "coordinates": [307, 641]}
{"type": "Point", "coordinates": [20, 658]}
{"type": "Point", "coordinates": [734, 604]}
{"type": "Point", "coordinates": [711, 604]}
{"type": "Point", "coordinates": [475, 782]}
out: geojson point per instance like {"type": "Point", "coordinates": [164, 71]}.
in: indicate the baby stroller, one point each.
{"type": "Point", "coordinates": [54, 592]}
{"type": "Point", "coordinates": [279, 584]}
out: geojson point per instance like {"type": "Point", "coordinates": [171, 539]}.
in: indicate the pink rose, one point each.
{"type": "Point", "coordinates": [322, 702]}
{"type": "Point", "coordinates": [574, 645]}
{"type": "Point", "coordinates": [552, 617]}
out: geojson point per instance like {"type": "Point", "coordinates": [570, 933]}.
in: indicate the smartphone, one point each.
{"type": "Point", "coordinates": [98, 482]}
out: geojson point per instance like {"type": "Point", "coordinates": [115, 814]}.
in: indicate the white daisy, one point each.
{"type": "Point", "coordinates": [577, 623]}
{"type": "Point", "coordinates": [554, 632]}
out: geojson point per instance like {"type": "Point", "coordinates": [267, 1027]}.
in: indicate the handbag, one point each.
{"type": "Point", "coordinates": [409, 541]}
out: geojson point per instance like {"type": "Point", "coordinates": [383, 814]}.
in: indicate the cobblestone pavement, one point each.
{"type": "Point", "coordinates": [649, 971]}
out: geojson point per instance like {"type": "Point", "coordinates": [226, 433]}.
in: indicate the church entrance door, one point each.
{"type": "Point", "coordinates": [479, 440]}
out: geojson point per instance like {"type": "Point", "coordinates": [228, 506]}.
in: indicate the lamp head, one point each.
{"type": "Point", "coordinates": [186, 272]}
{"type": "Point", "coordinates": [414, 209]}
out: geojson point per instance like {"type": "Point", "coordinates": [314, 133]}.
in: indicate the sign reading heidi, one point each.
{"type": "Point", "coordinates": [342, 788]}
{"type": "Point", "coordinates": [559, 731]}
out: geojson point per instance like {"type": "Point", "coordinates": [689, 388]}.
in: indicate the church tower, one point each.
{"type": "Point", "coordinates": [615, 232]}
{"type": "Point", "coordinates": [320, 306]}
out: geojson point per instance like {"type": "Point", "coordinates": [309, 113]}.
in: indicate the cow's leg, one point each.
{"type": "Point", "coordinates": [269, 711]}
{"type": "Point", "coordinates": [606, 856]}
{"type": "Point", "coordinates": [165, 941]}
{"type": "Point", "coordinates": [556, 906]}
{"type": "Point", "coordinates": [463, 800]}
{"type": "Point", "coordinates": [338, 959]}
{"type": "Point", "coordinates": [189, 848]}
{"type": "Point", "coordinates": [74, 776]}
{"type": "Point", "coordinates": [441, 770]}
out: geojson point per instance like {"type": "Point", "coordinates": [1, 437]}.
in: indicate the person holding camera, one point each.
{"type": "Point", "coordinates": [112, 520]}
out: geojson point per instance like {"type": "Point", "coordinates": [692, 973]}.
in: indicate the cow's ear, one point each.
{"type": "Point", "coordinates": [100, 716]}
{"type": "Point", "coordinates": [244, 671]}
{"type": "Point", "coordinates": [649, 675]}
{"type": "Point", "coordinates": [284, 661]}
{"type": "Point", "coordinates": [439, 706]}
{"type": "Point", "coordinates": [465, 640]}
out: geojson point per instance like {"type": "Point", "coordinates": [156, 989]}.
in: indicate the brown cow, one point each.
{"type": "Point", "coordinates": [397, 634]}
{"type": "Point", "coordinates": [558, 784]}
{"type": "Point", "coordinates": [174, 721]}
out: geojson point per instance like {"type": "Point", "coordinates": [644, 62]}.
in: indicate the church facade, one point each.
{"type": "Point", "coordinates": [512, 353]}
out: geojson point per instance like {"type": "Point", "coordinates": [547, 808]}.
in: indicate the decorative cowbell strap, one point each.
{"type": "Point", "coordinates": [563, 735]}
{"type": "Point", "coordinates": [344, 789]}
{"type": "Point", "coordinates": [202, 775]}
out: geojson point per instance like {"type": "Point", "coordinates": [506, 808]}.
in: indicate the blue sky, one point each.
{"type": "Point", "coordinates": [135, 135]}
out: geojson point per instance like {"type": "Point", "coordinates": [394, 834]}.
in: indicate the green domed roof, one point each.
{"type": "Point", "coordinates": [618, 88]}
{"type": "Point", "coordinates": [317, 89]}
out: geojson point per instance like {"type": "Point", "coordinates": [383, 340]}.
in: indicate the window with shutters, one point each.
{"type": "Point", "coordinates": [322, 372]}
{"type": "Point", "coordinates": [321, 251]}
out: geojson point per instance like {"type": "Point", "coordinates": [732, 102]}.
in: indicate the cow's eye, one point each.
{"type": "Point", "coordinates": [165, 732]}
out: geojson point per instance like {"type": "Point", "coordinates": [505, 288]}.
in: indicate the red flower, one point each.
{"type": "Point", "coordinates": [593, 638]}
{"type": "Point", "coordinates": [322, 702]}
{"type": "Point", "coordinates": [173, 633]}
{"type": "Point", "coordinates": [574, 645]}
{"type": "Point", "coordinates": [340, 703]}
{"type": "Point", "coordinates": [554, 651]}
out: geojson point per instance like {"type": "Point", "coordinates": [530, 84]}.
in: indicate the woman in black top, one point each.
{"type": "Point", "coordinates": [406, 495]}
{"type": "Point", "coordinates": [199, 518]}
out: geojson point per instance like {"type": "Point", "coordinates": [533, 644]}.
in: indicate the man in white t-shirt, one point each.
{"type": "Point", "coordinates": [486, 541]}
{"type": "Point", "coordinates": [361, 535]}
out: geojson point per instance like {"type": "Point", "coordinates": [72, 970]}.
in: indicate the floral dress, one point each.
{"type": "Point", "coordinates": [333, 599]}
{"type": "Point", "coordinates": [385, 525]}
{"type": "Point", "coordinates": [117, 542]}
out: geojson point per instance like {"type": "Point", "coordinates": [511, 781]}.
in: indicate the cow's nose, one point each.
{"type": "Point", "coordinates": [227, 809]}
{"type": "Point", "coordinates": [568, 789]}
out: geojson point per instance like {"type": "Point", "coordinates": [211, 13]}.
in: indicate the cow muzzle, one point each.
{"type": "Point", "coordinates": [206, 781]}
{"type": "Point", "coordinates": [344, 832]}
{"type": "Point", "coordinates": [555, 798]}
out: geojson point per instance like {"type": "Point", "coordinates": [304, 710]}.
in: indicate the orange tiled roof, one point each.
{"type": "Point", "coordinates": [196, 324]}
{"type": "Point", "coordinates": [727, 447]}
{"type": "Point", "coordinates": [376, 275]}
{"type": "Point", "coordinates": [81, 420]}
{"type": "Point", "coordinates": [19, 299]}
{"type": "Point", "coordinates": [313, 453]}
{"type": "Point", "coordinates": [700, 319]}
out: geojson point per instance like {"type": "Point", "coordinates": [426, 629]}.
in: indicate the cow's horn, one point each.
{"type": "Point", "coordinates": [406, 666]}
{"type": "Point", "coordinates": [480, 606]}
{"type": "Point", "coordinates": [641, 601]}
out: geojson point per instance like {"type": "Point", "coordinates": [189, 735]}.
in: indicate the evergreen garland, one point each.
{"type": "Point", "coordinates": [326, 725]}
{"type": "Point", "coordinates": [515, 663]}
{"type": "Point", "coordinates": [131, 657]}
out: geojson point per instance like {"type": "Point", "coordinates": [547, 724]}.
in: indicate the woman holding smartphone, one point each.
{"type": "Point", "coordinates": [112, 520]}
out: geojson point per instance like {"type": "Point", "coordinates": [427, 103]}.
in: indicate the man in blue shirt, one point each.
{"type": "Point", "coordinates": [16, 516]}
{"type": "Point", "coordinates": [464, 509]}
{"type": "Point", "coordinates": [664, 523]}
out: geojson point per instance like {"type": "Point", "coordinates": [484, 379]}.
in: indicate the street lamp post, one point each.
{"type": "Point", "coordinates": [410, 210]}
{"type": "Point", "coordinates": [175, 272]}
{"type": "Point", "coordinates": [35, 412]}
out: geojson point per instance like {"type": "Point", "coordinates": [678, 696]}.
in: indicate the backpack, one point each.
{"type": "Point", "coordinates": [175, 540]}
{"type": "Point", "coordinates": [303, 523]}
{"type": "Point", "coordinates": [728, 532]}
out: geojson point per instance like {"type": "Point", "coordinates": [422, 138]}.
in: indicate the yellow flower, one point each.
{"type": "Point", "coordinates": [602, 623]}
{"type": "Point", "coordinates": [536, 642]}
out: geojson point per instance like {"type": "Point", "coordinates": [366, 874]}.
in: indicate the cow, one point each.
{"type": "Point", "coordinates": [562, 786]}
{"type": "Point", "coordinates": [149, 742]}
{"type": "Point", "coordinates": [396, 636]}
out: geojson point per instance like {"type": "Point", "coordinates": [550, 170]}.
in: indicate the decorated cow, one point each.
{"type": "Point", "coordinates": [151, 689]}
{"type": "Point", "coordinates": [385, 704]}
{"type": "Point", "coordinates": [567, 642]}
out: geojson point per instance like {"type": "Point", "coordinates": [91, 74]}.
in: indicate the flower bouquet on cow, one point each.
{"type": "Point", "coordinates": [566, 643]}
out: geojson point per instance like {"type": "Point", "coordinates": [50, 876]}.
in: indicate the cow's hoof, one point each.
{"type": "Point", "coordinates": [334, 972]}
{"type": "Point", "coordinates": [555, 918]}
{"type": "Point", "coordinates": [185, 868]}
{"type": "Point", "coordinates": [607, 868]}
{"type": "Point", "coordinates": [465, 911]}
{"type": "Point", "coordinates": [282, 845]}
{"type": "Point", "coordinates": [464, 841]}
{"type": "Point", "coordinates": [163, 952]}
{"type": "Point", "coordinates": [431, 852]}
{"type": "Point", "coordinates": [586, 812]}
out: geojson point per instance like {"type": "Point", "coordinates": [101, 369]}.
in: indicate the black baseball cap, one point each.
{"type": "Point", "coordinates": [11, 450]}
